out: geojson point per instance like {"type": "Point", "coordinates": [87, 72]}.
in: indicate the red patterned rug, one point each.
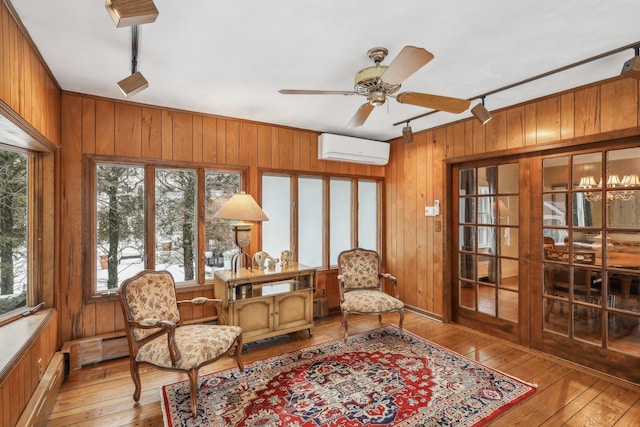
{"type": "Point", "coordinates": [378, 378]}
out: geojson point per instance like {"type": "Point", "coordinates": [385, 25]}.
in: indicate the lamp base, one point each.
{"type": "Point", "coordinates": [237, 261]}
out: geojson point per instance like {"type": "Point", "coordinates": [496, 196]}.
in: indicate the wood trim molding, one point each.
{"type": "Point", "coordinates": [17, 132]}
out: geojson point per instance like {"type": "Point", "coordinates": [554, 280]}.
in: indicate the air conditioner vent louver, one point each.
{"type": "Point", "coordinates": [356, 150]}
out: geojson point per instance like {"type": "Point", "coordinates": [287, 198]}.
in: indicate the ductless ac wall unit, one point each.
{"type": "Point", "coordinates": [356, 150]}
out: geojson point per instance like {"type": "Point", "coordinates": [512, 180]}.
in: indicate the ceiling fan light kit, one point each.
{"type": "Point", "coordinates": [133, 84]}
{"type": "Point", "coordinates": [379, 82]}
{"type": "Point", "coordinates": [126, 13]}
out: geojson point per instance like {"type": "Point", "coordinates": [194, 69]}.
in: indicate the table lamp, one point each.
{"type": "Point", "coordinates": [243, 208]}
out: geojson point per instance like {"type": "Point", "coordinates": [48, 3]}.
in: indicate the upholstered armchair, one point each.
{"type": "Point", "coordinates": [361, 287]}
{"type": "Point", "coordinates": [156, 337]}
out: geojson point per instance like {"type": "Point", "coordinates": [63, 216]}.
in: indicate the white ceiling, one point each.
{"type": "Point", "coordinates": [231, 57]}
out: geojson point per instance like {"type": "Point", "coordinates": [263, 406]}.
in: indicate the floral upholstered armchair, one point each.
{"type": "Point", "coordinates": [361, 287]}
{"type": "Point", "coordinates": [152, 321]}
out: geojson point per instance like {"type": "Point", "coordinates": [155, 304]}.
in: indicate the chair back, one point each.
{"type": "Point", "coordinates": [148, 295]}
{"type": "Point", "coordinates": [360, 269]}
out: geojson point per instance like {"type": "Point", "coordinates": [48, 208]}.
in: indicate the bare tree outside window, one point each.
{"type": "Point", "coordinates": [176, 222]}
{"type": "Point", "coordinates": [219, 187]}
{"type": "Point", "coordinates": [120, 223]}
{"type": "Point", "coordinates": [13, 231]}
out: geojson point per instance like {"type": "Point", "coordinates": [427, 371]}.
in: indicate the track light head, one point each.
{"type": "Point", "coordinates": [481, 113]}
{"type": "Point", "coordinates": [407, 134]}
{"type": "Point", "coordinates": [125, 13]}
{"type": "Point", "coordinates": [631, 68]}
{"type": "Point", "coordinates": [133, 84]}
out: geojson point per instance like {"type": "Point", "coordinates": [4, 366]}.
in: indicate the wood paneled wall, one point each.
{"type": "Point", "coordinates": [26, 85]}
{"type": "Point", "coordinates": [123, 130]}
{"type": "Point", "coordinates": [416, 172]}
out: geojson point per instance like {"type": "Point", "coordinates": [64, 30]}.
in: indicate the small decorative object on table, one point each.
{"type": "Point", "coordinates": [286, 258]}
{"type": "Point", "coordinates": [260, 257]}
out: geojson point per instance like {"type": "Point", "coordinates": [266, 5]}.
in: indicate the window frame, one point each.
{"type": "Point", "coordinates": [326, 178]}
{"type": "Point", "coordinates": [35, 234]}
{"type": "Point", "coordinates": [90, 163]}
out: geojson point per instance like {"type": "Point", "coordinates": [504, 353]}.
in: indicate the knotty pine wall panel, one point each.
{"type": "Point", "coordinates": [26, 85]}
{"type": "Point", "coordinates": [125, 130]}
{"type": "Point", "coordinates": [598, 112]}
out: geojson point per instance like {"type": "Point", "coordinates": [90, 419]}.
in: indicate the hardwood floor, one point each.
{"type": "Point", "coordinates": [100, 395]}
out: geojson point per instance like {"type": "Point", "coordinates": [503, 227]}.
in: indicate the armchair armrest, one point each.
{"type": "Point", "coordinates": [217, 303]}
{"type": "Point", "coordinates": [393, 280]}
{"type": "Point", "coordinates": [169, 327]}
{"type": "Point", "coordinates": [389, 277]}
{"type": "Point", "coordinates": [202, 300]}
{"type": "Point", "coordinates": [341, 286]}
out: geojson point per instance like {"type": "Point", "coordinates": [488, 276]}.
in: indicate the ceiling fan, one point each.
{"type": "Point", "coordinates": [380, 81]}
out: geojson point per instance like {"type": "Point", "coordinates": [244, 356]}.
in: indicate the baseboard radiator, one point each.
{"type": "Point", "coordinates": [95, 349]}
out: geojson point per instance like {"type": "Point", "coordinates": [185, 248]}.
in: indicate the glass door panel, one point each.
{"type": "Point", "coordinates": [488, 204]}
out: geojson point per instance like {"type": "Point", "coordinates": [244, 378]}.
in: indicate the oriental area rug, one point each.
{"type": "Point", "coordinates": [378, 378]}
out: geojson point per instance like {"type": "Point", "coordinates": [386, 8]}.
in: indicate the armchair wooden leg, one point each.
{"type": "Point", "coordinates": [135, 375]}
{"type": "Point", "coordinates": [379, 318]}
{"type": "Point", "coordinates": [239, 353]}
{"type": "Point", "coordinates": [401, 320]}
{"type": "Point", "coordinates": [193, 384]}
{"type": "Point", "coordinates": [345, 315]}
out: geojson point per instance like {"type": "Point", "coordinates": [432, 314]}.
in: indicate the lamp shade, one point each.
{"type": "Point", "coordinates": [241, 207]}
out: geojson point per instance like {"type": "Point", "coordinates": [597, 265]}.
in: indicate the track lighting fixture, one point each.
{"type": "Point", "coordinates": [631, 68]}
{"type": "Point", "coordinates": [480, 112]}
{"type": "Point", "coordinates": [407, 134]}
{"type": "Point", "coordinates": [136, 81]}
{"type": "Point", "coordinates": [126, 13]}
{"type": "Point", "coordinates": [133, 84]}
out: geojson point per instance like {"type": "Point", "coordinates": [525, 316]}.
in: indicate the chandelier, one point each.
{"type": "Point", "coordinates": [613, 181]}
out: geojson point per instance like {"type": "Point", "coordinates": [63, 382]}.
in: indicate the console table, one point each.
{"type": "Point", "coordinates": [270, 302]}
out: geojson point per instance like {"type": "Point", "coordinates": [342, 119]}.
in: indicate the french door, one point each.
{"type": "Point", "coordinates": [488, 275]}
{"type": "Point", "coordinates": [545, 252]}
{"type": "Point", "coordinates": [590, 233]}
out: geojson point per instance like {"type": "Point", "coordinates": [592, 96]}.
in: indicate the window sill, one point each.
{"type": "Point", "coordinates": [17, 337]}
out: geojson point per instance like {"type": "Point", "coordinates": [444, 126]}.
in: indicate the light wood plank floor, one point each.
{"type": "Point", "coordinates": [100, 395]}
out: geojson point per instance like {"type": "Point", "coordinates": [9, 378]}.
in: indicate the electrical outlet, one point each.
{"type": "Point", "coordinates": [40, 371]}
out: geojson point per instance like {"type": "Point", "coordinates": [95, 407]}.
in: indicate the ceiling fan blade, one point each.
{"type": "Point", "coordinates": [315, 92]}
{"type": "Point", "coordinates": [408, 61]}
{"type": "Point", "coordinates": [360, 116]}
{"type": "Point", "coordinates": [436, 102]}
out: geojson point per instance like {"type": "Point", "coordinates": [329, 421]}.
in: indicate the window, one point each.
{"type": "Point", "coordinates": [176, 223]}
{"type": "Point", "coordinates": [367, 214]}
{"type": "Point", "coordinates": [220, 247]}
{"type": "Point", "coordinates": [310, 242]}
{"type": "Point", "coordinates": [126, 215]}
{"type": "Point", "coordinates": [276, 203]}
{"type": "Point", "coordinates": [308, 205]}
{"type": "Point", "coordinates": [339, 217]}
{"type": "Point", "coordinates": [119, 224]}
{"type": "Point", "coordinates": [14, 231]}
